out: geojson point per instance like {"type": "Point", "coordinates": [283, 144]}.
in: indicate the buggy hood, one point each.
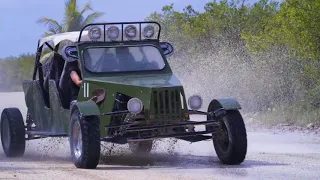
{"type": "Point", "coordinates": [148, 81]}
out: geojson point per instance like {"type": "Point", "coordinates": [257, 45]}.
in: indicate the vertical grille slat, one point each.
{"type": "Point", "coordinates": [164, 101]}
{"type": "Point", "coordinates": [158, 103]}
{"type": "Point", "coordinates": [173, 104]}
{"type": "Point", "coordinates": [179, 102]}
{"type": "Point", "coordinates": [170, 105]}
{"type": "Point", "coordinates": [167, 104]}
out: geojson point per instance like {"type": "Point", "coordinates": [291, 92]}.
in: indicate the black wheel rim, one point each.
{"type": "Point", "coordinates": [77, 140]}
{"type": "Point", "coordinates": [223, 137]}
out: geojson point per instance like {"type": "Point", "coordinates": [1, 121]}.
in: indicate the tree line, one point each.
{"type": "Point", "coordinates": [265, 54]}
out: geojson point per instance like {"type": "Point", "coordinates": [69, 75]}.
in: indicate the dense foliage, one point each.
{"type": "Point", "coordinates": [265, 54]}
{"type": "Point", "coordinates": [13, 70]}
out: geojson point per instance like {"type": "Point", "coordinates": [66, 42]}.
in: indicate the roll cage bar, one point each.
{"type": "Point", "coordinates": [37, 61]}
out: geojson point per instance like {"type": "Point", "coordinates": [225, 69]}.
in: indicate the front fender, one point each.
{"type": "Point", "coordinates": [226, 104]}
{"type": "Point", "coordinates": [218, 107]}
{"type": "Point", "coordinates": [86, 108]}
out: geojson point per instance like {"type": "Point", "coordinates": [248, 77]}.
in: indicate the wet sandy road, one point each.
{"type": "Point", "coordinates": [270, 156]}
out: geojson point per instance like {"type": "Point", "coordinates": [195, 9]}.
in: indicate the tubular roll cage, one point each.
{"type": "Point", "coordinates": [39, 50]}
{"type": "Point", "coordinates": [122, 28]}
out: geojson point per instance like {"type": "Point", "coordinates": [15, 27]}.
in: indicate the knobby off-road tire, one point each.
{"type": "Point", "coordinates": [234, 149]}
{"type": "Point", "coordinates": [13, 132]}
{"type": "Point", "coordinates": [85, 140]}
{"type": "Point", "coordinates": [141, 147]}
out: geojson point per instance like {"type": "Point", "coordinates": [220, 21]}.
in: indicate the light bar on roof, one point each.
{"type": "Point", "coordinates": [122, 31]}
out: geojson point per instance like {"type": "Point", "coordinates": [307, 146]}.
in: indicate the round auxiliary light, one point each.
{"type": "Point", "coordinates": [113, 32]}
{"type": "Point", "coordinates": [195, 102]}
{"type": "Point", "coordinates": [131, 31]}
{"type": "Point", "coordinates": [148, 31]}
{"type": "Point", "coordinates": [134, 106]}
{"type": "Point", "coordinates": [94, 32]}
{"type": "Point", "coordinates": [69, 53]}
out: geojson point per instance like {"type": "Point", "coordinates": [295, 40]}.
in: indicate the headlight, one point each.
{"type": "Point", "coordinates": [131, 31]}
{"type": "Point", "coordinates": [94, 33]}
{"type": "Point", "coordinates": [148, 31]}
{"type": "Point", "coordinates": [195, 102]}
{"type": "Point", "coordinates": [113, 32]}
{"type": "Point", "coordinates": [134, 105]}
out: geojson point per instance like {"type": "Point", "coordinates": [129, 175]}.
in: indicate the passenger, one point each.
{"type": "Point", "coordinates": [126, 59]}
{"type": "Point", "coordinates": [75, 82]}
{"type": "Point", "coordinates": [100, 60]}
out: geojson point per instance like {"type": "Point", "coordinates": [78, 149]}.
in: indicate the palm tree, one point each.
{"type": "Point", "coordinates": [73, 20]}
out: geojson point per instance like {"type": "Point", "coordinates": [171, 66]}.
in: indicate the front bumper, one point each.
{"type": "Point", "coordinates": [161, 131]}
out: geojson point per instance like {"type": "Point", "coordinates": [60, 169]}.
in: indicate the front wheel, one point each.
{"type": "Point", "coordinates": [13, 132]}
{"type": "Point", "coordinates": [230, 143]}
{"type": "Point", "coordinates": [85, 140]}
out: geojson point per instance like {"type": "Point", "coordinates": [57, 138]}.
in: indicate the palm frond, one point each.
{"type": "Point", "coordinates": [53, 31]}
{"type": "Point", "coordinates": [76, 24]}
{"type": "Point", "coordinates": [46, 34]}
{"type": "Point", "coordinates": [70, 7]}
{"type": "Point", "coordinates": [52, 24]}
{"type": "Point", "coordinates": [92, 17]}
{"type": "Point", "coordinates": [71, 11]}
{"type": "Point", "coordinates": [64, 28]}
{"type": "Point", "coordinates": [87, 7]}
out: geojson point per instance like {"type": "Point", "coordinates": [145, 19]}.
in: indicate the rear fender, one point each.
{"type": "Point", "coordinates": [86, 108]}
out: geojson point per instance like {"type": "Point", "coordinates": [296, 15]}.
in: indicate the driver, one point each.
{"type": "Point", "coordinates": [126, 59]}
{"type": "Point", "coordinates": [75, 80]}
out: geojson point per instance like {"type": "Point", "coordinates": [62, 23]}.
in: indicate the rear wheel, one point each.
{"type": "Point", "coordinates": [13, 132]}
{"type": "Point", "coordinates": [85, 140]}
{"type": "Point", "coordinates": [230, 143]}
{"type": "Point", "coordinates": [141, 147]}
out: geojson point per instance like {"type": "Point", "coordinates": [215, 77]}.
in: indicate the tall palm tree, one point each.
{"type": "Point", "coordinates": [73, 20]}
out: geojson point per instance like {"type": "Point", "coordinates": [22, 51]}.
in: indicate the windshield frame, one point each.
{"type": "Point", "coordinates": [122, 45]}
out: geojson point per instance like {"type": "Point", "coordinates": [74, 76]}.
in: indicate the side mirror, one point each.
{"type": "Point", "coordinates": [167, 48]}
{"type": "Point", "coordinates": [70, 53]}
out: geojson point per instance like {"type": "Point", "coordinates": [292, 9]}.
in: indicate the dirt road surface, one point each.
{"type": "Point", "coordinates": [287, 156]}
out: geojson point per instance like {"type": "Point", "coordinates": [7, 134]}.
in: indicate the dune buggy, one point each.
{"type": "Point", "coordinates": [129, 94]}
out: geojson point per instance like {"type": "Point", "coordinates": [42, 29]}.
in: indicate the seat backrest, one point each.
{"type": "Point", "coordinates": [55, 69]}
{"type": "Point", "coordinates": [65, 91]}
{"type": "Point", "coordinates": [58, 65]}
{"type": "Point", "coordinates": [47, 69]}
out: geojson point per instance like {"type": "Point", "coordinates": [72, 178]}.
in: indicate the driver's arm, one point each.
{"type": "Point", "coordinates": [75, 78]}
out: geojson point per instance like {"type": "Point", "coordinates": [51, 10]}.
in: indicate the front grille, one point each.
{"type": "Point", "coordinates": [167, 104]}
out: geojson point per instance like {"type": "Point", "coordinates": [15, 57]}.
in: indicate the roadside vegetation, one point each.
{"type": "Point", "coordinates": [265, 54]}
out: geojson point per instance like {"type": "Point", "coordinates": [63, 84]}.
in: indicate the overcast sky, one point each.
{"type": "Point", "coordinates": [19, 31]}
